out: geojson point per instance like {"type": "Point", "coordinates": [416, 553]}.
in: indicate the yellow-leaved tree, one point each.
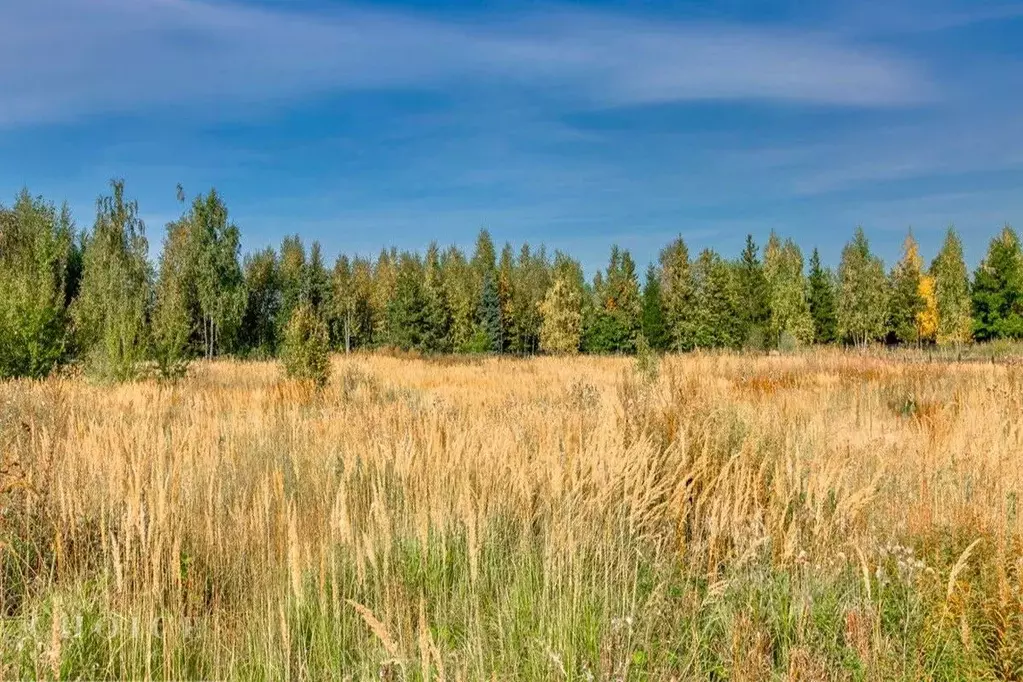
{"type": "Point", "coordinates": [927, 319]}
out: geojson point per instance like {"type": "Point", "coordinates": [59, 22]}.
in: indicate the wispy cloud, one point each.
{"type": "Point", "coordinates": [62, 59]}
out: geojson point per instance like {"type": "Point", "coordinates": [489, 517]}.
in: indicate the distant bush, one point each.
{"type": "Point", "coordinates": [306, 351]}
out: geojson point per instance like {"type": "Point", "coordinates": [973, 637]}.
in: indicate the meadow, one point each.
{"type": "Point", "coordinates": [819, 516]}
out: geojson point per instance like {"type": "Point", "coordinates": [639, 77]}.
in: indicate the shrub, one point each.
{"type": "Point", "coordinates": [306, 347]}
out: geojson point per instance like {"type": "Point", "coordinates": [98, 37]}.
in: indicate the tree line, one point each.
{"type": "Point", "coordinates": [93, 297]}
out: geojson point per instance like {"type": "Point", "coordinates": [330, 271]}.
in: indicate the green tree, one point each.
{"type": "Point", "coordinates": [406, 309]}
{"type": "Point", "coordinates": [716, 321]}
{"type": "Point", "coordinates": [318, 282]}
{"type": "Point", "coordinates": [561, 313]}
{"type": "Point", "coordinates": [822, 301]}
{"type": "Point", "coordinates": [351, 302]}
{"type": "Point", "coordinates": [531, 284]}
{"type": "Point", "coordinates": [753, 291]}
{"type": "Point", "coordinates": [617, 307]}
{"type": "Point", "coordinates": [489, 315]}
{"type": "Point", "coordinates": [679, 294]}
{"type": "Point", "coordinates": [260, 326]}
{"type": "Point", "coordinates": [998, 290]}
{"type": "Point", "coordinates": [173, 310]}
{"type": "Point", "coordinates": [506, 281]}
{"type": "Point", "coordinates": [385, 277]}
{"type": "Point", "coordinates": [218, 274]}
{"type": "Point", "coordinates": [790, 319]}
{"type": "Point", "coordinates": [654, 328]}
{"type": "Point", "coordinates": [291, 273]}
{"type": "Point", "coordinates": [862, 292]}
{"type": "Point", "coordinates": [460, 287]}
{"type": "Point", "coordinates": [952, 292]}
{"type": "Point", "coordinates": [37, 256]}
{"type": "Point", "coordinates": [906, 303]}
{"type": "Point", "coordinates": [111, 310]}
{"type": "Point", "coordinates": [436, 311]}
{"type": "Point", "coordinates": [306, 347]}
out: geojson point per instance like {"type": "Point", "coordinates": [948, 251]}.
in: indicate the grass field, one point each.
{"type": "Point", "coordinates": [818, 516]}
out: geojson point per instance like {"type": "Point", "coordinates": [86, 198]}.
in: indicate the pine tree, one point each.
{"type": "Point", "coordinates": [111, 310]}
{"type": "Point", "coordinates": [790, 320]}
{"type": "Point", "coordinates": [952, 292]}
{"type": "Point", "coordinates": [998, 290]}
{"type": "Point", "coordinates": [653, 311]}
{"type": "Point", "coordinates": [862, 293]}
{"type": "Point", "coordinates": [37, 252]}
{"type": "Point", "coordinates": [906, 304]}
{"type": "Point", "coordinates": [716, 321]}
{"type": "Point", "coordinates": [822, 301]}
{"type": "Point", "coordinates": [678, 291]}
{"type": "Point", "coordinates": [753, 291]}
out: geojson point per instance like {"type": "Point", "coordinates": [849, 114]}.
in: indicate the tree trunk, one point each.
{"type": "Point", "coordinates": [348, 332]}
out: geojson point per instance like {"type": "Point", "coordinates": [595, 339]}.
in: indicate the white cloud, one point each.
{"type": "Point", "coordinates": [62, 59]}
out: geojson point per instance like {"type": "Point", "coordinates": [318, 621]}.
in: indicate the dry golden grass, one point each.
{"type": "Point", "coordinates": [815, 516]}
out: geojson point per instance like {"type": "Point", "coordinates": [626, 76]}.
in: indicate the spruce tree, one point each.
{"type": "Point", "coordinates": [318, 282]}
{"type": "Point", "coordinates": [862, 293]}
{"type": "Point", "coordinates": [679, 293]}
{"type": "Point", "coordinates": [406, 309]}
{"type": "Point", "coordinates": [906, 304]}
{"type": "Point", "coordinates": [489, 315]}
{"type": "Point", "coordinates": [716, 322]}
{"type": "Point", "coordinates": [753, 291]}
{"type": "Point", "coordinates": [437, 312]}
{"type": "Point", "coordinates": [952, 292]}
{"type": "Point", "coordinates": [822, 301]}
{"type": "Point", "coordinates": [998, 290]}
{"type": "Point", "coordinates": [385, 273]}
{"type": "Point", "coordinates": [112, 308]}
{"type": "Point", "coordinates": [654, 329]}
{"type": "Point", "coordinates": [617, 310]}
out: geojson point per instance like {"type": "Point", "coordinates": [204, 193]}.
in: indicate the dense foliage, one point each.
{"type": "Point", "coordinates": [94, 296]}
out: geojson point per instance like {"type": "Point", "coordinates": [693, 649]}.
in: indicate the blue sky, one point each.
{"type": "Point", "coordinates": [574, 124]}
